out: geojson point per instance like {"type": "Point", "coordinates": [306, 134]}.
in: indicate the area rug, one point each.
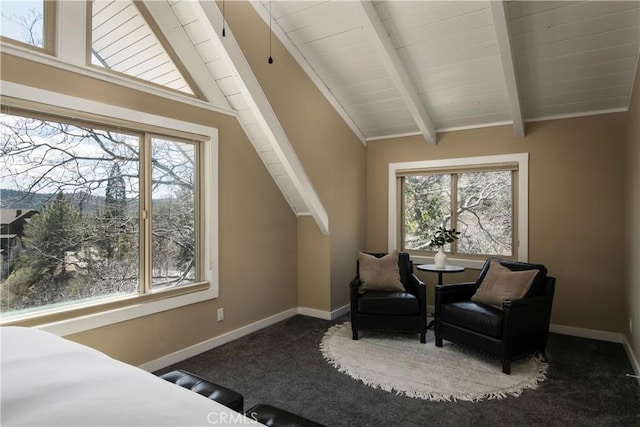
{"type": "Point", "coordinates": [399, 363]}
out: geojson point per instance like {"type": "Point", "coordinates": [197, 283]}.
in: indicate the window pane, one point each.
{"type": "Point", "coordinates": [427, 206]}
{"type": "Point", "coordinates": [69, 199]}
{"type": "Point", "coordinates": [174, 213]}
{"type": "Point", "coordinates": [485, 212]}
{"type": "Point", "coordinates": [23, 21]}
{"type": "Point", "coordinates": [123, 41]}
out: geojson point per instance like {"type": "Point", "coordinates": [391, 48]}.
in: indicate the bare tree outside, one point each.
{"type": "Point", "coordinates": [23, 21]}
{"type": "Point", "coordinates": [483, 211]}
{"type": "Point", "coordinates": [85, 183]}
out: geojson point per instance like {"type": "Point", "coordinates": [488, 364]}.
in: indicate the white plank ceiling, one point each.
{"type": "Point", "coordinates": [564, 58]}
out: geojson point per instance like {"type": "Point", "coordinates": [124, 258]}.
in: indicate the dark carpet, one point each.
{"type": "Point", "coordinates": [281, 365]}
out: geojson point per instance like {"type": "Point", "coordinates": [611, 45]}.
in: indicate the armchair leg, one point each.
{"type": "Point", "coordinates": [423, 337]}
{"type": "Point", "coordinates": [506, 367]}
{"type": "Point", "coordinates": [355, 334]}
{"type": "Point", "coordinates": [438, 341]}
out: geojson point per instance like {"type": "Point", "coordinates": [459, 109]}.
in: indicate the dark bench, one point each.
{"type": "Point", "coordinates": [276, 417]}
{"type": "Point", "coordinates": [220, 394]}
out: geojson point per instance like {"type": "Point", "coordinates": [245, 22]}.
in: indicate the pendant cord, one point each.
{"type": "Point", "coordinates": [223, 20]}
{"type": "Point", "coordinates": [270, 33]}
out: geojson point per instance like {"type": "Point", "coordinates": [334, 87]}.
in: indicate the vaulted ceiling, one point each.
{"type": "Point", "coordinates": [395, 68]}
{"type": "Point", "coordinates": [422, 67]}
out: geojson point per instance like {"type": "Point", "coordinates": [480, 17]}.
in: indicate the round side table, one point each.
{"type": "Point", "coordinates": [432, 268]}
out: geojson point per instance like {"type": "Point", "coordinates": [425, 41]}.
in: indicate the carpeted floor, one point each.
{"type": "Point", "coordinates": [281, 365]}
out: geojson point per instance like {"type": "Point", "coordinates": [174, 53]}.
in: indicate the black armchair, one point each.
{"type": "Point", "coordinates": [390, 310]}
{"type": "Point", "coordinates": [520, 327]}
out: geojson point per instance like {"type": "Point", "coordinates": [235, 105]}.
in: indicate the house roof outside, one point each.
{"type": "Point", "coordinates": [10, 216]}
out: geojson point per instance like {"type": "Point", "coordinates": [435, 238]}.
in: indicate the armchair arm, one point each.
{"type": "Point", "coordinates": [454, 292]}
{"type": "Point", "coordinates": [422, 293]}
{"type": "Point", "coordinates": [527, 315]}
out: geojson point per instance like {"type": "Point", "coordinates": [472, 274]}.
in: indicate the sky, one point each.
{"type": "Point", "coordinates": [12, 9]}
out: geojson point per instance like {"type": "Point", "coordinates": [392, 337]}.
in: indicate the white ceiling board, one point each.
{"type": "Point", "coordinates": [518, 9]}
{"type": "Point", "coordinates": [575, 109]}
{"type": "Point", "coordinates": [281, 9]}
{"type": "Point", "coordinates": [587, 43]}
{"type": "Point", "coordinates": [316, 14]}
{"type": "Point", "coordinates": [477, 19]}
{"type": "Point", "coordinates": [461, 40]}
{"type": "Point", "coordinates": [472, 73]}
{"type": "Point", "coordinates": [575, 12]}
{"type": "Point", "coordinates": [438, 13]}
{"type": "Point", "coordinates": [336, 42]}
{"type": "Point", "coordinates": [402, 8]}
{"type": "Point", "coordinates": [573, 30]}
{"type": "Point", "coordinates": [580, 59]}
{"type": "Point", "coordinates": [576, 85]}
{"type": "Point", "coordinates": [484, 50]}
{"type": "Point", "coordinates": [581, 96]}
{"type": "Point", "coordinates": [321, 30]}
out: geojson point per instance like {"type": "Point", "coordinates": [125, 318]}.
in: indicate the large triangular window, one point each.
{"type": "Point", "coordinates": [122, 40]}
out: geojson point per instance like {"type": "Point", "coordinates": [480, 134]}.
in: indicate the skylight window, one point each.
{"type": "Point", "coordinates": [123, 41]}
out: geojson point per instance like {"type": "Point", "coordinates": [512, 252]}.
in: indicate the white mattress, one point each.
{"type": "Point", "coordinates": [50, 381]}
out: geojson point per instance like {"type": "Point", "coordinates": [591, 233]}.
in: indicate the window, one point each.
{"type": "Point", "coordinates": [28, 22]}
{"type": "Point", "coordinates": [123, 41]}
{"type": "Point", "coordinates": [103, 221]}
{"type": "Point", "coordinates": [483, 198]}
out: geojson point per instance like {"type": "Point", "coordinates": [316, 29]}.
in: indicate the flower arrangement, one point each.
{"type": "Point", "coordinates": [443, 236]}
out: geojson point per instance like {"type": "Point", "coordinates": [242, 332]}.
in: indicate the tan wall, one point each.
{"type": "Point", "coordinates": [575, 206]}
{"type": "Point", "coordinates": [332, 156]}
{"type": "Point", "coordinates": [257, 230]}
{"type": "Point", "coordinates": [632, 225]}
{"type": "Point", "coordinates": [314, 265]}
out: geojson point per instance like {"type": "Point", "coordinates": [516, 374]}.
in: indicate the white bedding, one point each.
{"type": "Point", "coordinates": [50, 381]}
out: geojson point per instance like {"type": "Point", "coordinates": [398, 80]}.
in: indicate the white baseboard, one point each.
{"type": "Point", "coordinates": [601, 336]}
{"type": "Point", "coordinates": [632, 358]}
{"type": "Point", "coordinates": [203, 346]}
{"type": "Point", "coordinates": [322, 314]}
{"type": "Point", "coordinates": [593, 334]}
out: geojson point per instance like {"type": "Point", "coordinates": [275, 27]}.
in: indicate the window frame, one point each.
{"type": "Point", "coordinates": [83, 317]}
{"type": "Point", "coordinates": [521, 207]}
{"type": "Point", "coordinates": [153, 26]}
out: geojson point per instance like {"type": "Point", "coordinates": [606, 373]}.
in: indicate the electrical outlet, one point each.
{"type": "Point", "coordinates": [220, 314]}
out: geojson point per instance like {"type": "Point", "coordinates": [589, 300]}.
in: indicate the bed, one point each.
{"type": "Point", "coordinates": [47, 380]}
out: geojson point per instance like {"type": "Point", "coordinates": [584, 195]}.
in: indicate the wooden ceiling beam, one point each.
{"type": "Point", "coordinates": [187, 53]}
{"type": "Point", "coordinates": [258, 104]}
{"type": "Point", "coordinates": [507, 57]}
{"type": "Point", "coordinates": [379, 37]}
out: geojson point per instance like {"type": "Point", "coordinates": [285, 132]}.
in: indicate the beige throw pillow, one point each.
{"type": "Point", "coordinates": [379, 274]}
{"type": "Point", "coordinates": [502, 284]}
